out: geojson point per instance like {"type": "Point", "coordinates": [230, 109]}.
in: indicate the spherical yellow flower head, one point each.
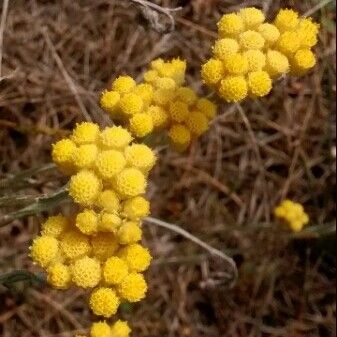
{"type": "Point", "coordinates": [44, 250]}
{"type": "Point", "coordinates": [141, 125]}
{"type": "Point", "coordinates": [104, 302]}
{"type": "Point", "coordinates": [120, 329]}
{"type": "Point", "coordinates": [137, 257]}
{"type": "Point", "coordinates": [108, 201]}
{"type": "Point", "coordinates": [259, 83]}
{"type": "Point", "coordinates": [131, 104]}
{"type": "Point", "coordinates": [174, 69]}
{"type": "Point", "coordinates": [159, 117]}
{"type": "Point", "coordinates": [145, 92]}
{"type": "Point", "coordinates": [236, 64]}
{"type": "Point", "coordinates": [288, 43]}
{"type": "Point", "coordinates": [86, 272]}
{"type": "Point", "coordinates": [212, 72]}
{"type": "Point", "coordinates": [197, 123]}
{"type": "Point", "coordinates": [62, 155]}
{"type": "Point", "coordinates": [180, 137]}
{"type": "Point", "coordinates": [109, 222]}
{"type": "Point", "coordinates": [165, 83]}
{"type": "Point", "coordinates": [302, 62]}
{"type": "Point", "coordinates": [136, 208]}
{"type": "Point", "coordinates": [85, 156]}
{"type": "Point", "coordinates": [55, 226]}
{"type": "Point", "coordinates": [286, 20]}
{"type": "Point", "coordinates": [251, 39]}
{"type": "Point", "coordinates": [179, 70]}
{"type": "Point", "coordinates": [186, 95]}
{"type": "Point", "coordinates": [130, 232]}
{"type": "Point", "coordinates": [276, 64]}
{"type": "Point", "coordinates": [104, 245]}
{"type": "Point", "coordinates": [162, 97]}
{"type": "Point", "coordinates": [124, 84]}
{"type": "Point", "coordinates": [292, 214]}
{"type": "Point", "coordinates": [85, 187]}
{"type": "Point", "coordinates": [130, 183]}
{"type": "Point", "coordinates": [87, 222]}
{"type": "Point", "coordinates": [100, 329]}
{"type": "Point", "coordinates": [150, 76]}
{"type": "Point", "coordinates": [224, 48]}
{"type": "Point", "coordinates": [59, 276]}
{"type": "Point", "coordinates": [233, 88]}
{"type": "Point", "coordinates": [178, 111]}
{"type": "Point", "coordinates": [115, 270]}
{"type": "Point", "coordinates": [252, 17]}
{"type": "Point", "coordinates": [85, 133]}
{"type": "Point", "coordinates": [208, 108]}
{"type": "Point", "coordinates": [231, 25]}
{"type": "Point", "coordinates": [256, 60]}
{"type": "Point", "coordinates": [308, 33]}
{"type": "Point", "coordinates": [133, 288]}
{"type": "Point", "coordinates": [270, 33]}
{"type": "Point", "coordinates": [115, 137]}
{"type": "Point", "coordinates": [74, 244]}
{"type": "Point", "coordinates": [110, 163]}
{"type": "Point", "coordinates": [109, 101]}
{"type": "Point", "coordinates": [140, 156]}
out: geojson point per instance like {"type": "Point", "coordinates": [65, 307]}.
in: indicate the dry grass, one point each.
{"type": "Point", "coordinates": [58, 55]}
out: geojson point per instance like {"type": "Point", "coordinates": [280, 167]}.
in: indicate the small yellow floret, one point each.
{"type": "Point", "coordinates": [131, 104]}
{"type": "Point", "coordinates": [133, 288]}
{"type": "Point", "coordinates": [63, 151]}
{"type": "Point", "coordinates": [104, 302]}
{"type": "Point", "coordinates": [276, 64]}
{"type": "Point", "coordinates": [165, 83]}
{"type": "Point", "coordinates": [140, 156]}
{"type": "Point", "coordinates": [256, 59]}
{"type": "Point", "coordinates": [251, 40]}
{"type": "Point", "coordinates": [104, 245]}
{"type": "Point", "coordinates": [269, 32]}
{"type": "Point", "coordinates": [85, 133]}
{"type": "Point", "coordinates": [115, 270]}
{"type": "Point", "coordinates": [100, 329]}
{"type": "Point", "coordinates": [231, 25]}
{"type": "Point", "coordinates": [308, 33]}
{"type": "Point", "coordinates": [59, 276]}
{"type": "Point", "coordinates": [86, 272]}
{"type": "Point", "coordinates": [141, 125]}
{"type": "Point", "coordinates": [236, 64]}
{"type": "Point", "coordinates": [120, 329]}
{"type": "Point", "coordinates": [158, 115]}
{"type": "Point", "coordinates": [150, 76]}
{"type": "Point", "coordinates": [137, 257]}
{"type": "Point", "coordinates": [259, 83]}
{"type": "Point", "coordinates": [157, 64]}
{"type": "Point", "coordinates": [186, 95]}
{"type": "Point", "coordinates": [233, 89]}
{"type": "Point", "coordinates": [115, 137]}
{"type": "Point", "coordinates": [180, 137]}
{"type": "Point", "coordinates": [288, 43]}
{"type": "Point", "coordinates": [123, 84]}
{"type": "Point", "coordinates": [286, 19]}
{"type": "Point", "coordinates": [85, 156]}
{"type": "Point", "coordinates": [145, 92]}
{"type": "Point", "coordinates": [212, 71]}
{"type": "Point", "coordinates": [162, 97]}
{"type": "Point", "coordinates": [44, 250]}
{"type": "Point", "coordinates": [84, 187]}
{"type": "Point", "coordinates": [208, 108]}
{"type": "Point", "coordinates": [55, 226]}
{"type": "Point", "coordinates": [136, 208]}
{"type": "Point", "coordinates": [74, 244]}
{"type": "Point", "coordinates": [109, 222]}
{"type": "Point", "coordinates": [130, 232]}
{"type": "Point", "coordinates": [252, 17]}
{"type": "Point", "coordinates": [178, 111]}
{"type": "Point", "coordinates": [224, 48]}
{"type": "Point", "coordinates": [130, 183]}
{"type": "Point", "coordinates": [108, 201]}
{"type": "Point", "coordinates": [87, 222]}
{"type": "Point", "coordinates": [197, 123]}
{"type": "Point", "coordinates": [302, 61]}
{"type": "Point", "coordinates": [109, 101]}
{"type": "Point", "coordinates": [110, 163]}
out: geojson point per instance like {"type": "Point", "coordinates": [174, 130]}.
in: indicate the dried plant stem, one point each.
{"type": "Point", "coordinates": [2, 28]}
{"type": "Point", "coordinates": [202, 244]}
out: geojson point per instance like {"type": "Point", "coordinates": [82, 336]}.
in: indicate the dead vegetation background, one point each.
{"type": "Point", "coordinates": [57, 56]}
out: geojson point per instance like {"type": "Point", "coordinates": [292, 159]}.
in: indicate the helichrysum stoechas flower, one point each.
{"type": "Point", "coordinates": [100, 329]}
{"type": "Point", "coordinates": [115, 270]}
{"type": "Point", "coordinates": [292, 214]}
{"type": "Point", "coordinates": [104, 302]}
{"type": "Point", "coordinates": [130, 232]}
{"type": "Point", "coordinates": [104, 245]}
{"type": "Point", "coordinates": [120, 329]}
{"type": "Point", "coordinates": [136, 208]}
{"type": "Point", "coordinates": [86, 272]}
{"type": "Point", "coordinates": [74, 244]}
{"type": "Point", "coordinates": [87, 222]}
{"type": "Point", "coordinates": [133, 288]}
{"type": "Point", "coordinates": [59, 276]}
{"type": "Point", "coordinates": [137, 257]}
{"type": "Point", "coordinates": [55, 226]}
{"type": "Point", "coordinates": [250, 52]}
{"type": "Point", "coordinates": [44, 250]}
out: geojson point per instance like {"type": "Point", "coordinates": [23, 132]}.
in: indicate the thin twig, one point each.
{"type": "Point", "coordinates": [189, 236]}
{"type": "Point", "coordinates": [316, 8]}
{"type": "Point", "coordinates": [2, 28]}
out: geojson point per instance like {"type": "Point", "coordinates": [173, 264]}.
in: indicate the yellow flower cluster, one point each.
{"type": "Point", "coordinates": [162, 102]}
{"type": "Point", "coordinates": [103, 329]}
{"type": "Point", "coordinates": [292, 214]}
{"type": "Point", "coordinates": [250, 52]}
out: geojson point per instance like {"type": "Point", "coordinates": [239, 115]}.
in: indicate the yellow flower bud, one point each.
{"type": "Point", "coordinates": [131, 104]}
{"type": "Point", "coordinates": [145, 92]}
{"type": "Point", "coordinates": [197, 123]}
{"type": "Point", "coordinates": [308, 33]}
{"type": "Point", "coordinates": [288, 43]}
{"type": "Point", "coordinates": [120, 329]}
{"type": "Point", "coordinates": [74, 244]}
{"type": "Point", "coordinates": [62, 153]}
{"type": "Point", "coordinates": [54, 226]}
{"type": "Point", "coordinates": [302, 62]}
{"type": "Point", "coordinates": [115, 270]}
{"type": "Point", "coordinates": [100, 329]}
{"type": "Point", "coordinates": [233, 88]}
{"type": "Point", "coordinates": [87, 222]}
{"type": "Point", "coordinates": [85, 133]}
{"type": "Point", "coordinates": [104, 302]}
{"type": "Point", "coordinates": [130, 232]}
{"type": "Point", "coordinates": [115, 137]}
{"type": "Point", "coordinates": [141, 125]}
{"type": "Point", "coordinates": [85, 156]}
{"type": "Point", "coordinates": [86, 272]}
{"type": "Point", "coordinates": [137, 257]}
{"type": "Point", "coordinates": [109, 101]}
{"type": "Point", "coordinates": [180, 137]}
{"type": "Point", "coordinates": [224, 48]}
{"type": "Point", "coordinates": [231, 25]}
{"type": "Point", "coordinates": [178, 111]}
{"type": "Point", "coordinates": [109, 222]}
{"type": "Point", "coordinates": [44, 250]}
{"type": "Point", "coordinates": [136, 208]}
{"type": "Point", "coordinates": [251, 40]}
{"type": "Point", "coordinates": [236, 64]}
{"type": "Point", "coordinates": [269, 32]}
{"type": "Point", "coordinates": [108, 201]}
{"type": "Point", "coordinates": [158, 115]}
{"type": "Point", "coordinates": [140, 156]}
{"type": "Point", "coordinates": [286, 20]}
{"type": "Point", "coordinates": [130, 183]}
{"type": "Point", "coordinates": [252, 17]}
{"type": "Point", "coordinates": [259, 83]}
{"type": "Point", "coordinates": [256, 60]}
{"type": "Point", "coordinates": [110, 163]}
{"type": "Point", "coordinates": [104, 245]}
{"type": "Point", "coordinates": [59, 276]}
{"type": "Point", "coordinates": [123, 84]}
{"type": "Point", "coordinates": [276, 64]}
{"type": "Point", "coordinates": [133, 288]}
{"type": "Point", "coordinates": [186, 95]}
{"type": "Point", "coordinates": [208, 108]}
{"type": "Point", "coordinates": [212, 71]}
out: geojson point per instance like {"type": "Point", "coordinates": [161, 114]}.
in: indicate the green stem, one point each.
{"type": "Point", "coordinates": [9, 279]}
